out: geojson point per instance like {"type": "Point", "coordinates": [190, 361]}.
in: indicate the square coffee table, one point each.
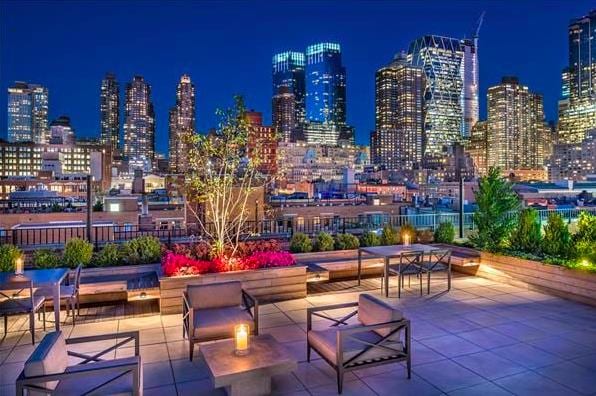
{"type": "Point", "coordinates": [248, 375]}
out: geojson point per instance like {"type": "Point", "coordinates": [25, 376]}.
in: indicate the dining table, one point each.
{"type": "Point", "coordinates": [47, 278]}
{"type": "Point", "coordinates": [387, 253]}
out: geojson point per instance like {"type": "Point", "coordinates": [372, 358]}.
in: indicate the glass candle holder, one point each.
{"type": "Point", "coordinates": [406, 239]}
{"type": "Point", "coordinates": [19, 266]}
{"type": "Point", "coordinates": [241, 339]}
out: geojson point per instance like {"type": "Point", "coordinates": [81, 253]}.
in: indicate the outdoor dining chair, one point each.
{"type": "Point", "coordinates": [68, 293]}
{"type": "Point", "coordinates": [19, 299]}
{"type": "Point", "coordinates": [409, 264]}
{"type": "Point", "coordinates": [437, 260]}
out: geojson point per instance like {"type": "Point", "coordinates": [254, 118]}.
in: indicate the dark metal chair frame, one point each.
{"type": "Point", "coordinates": [249, 303]}
{"type": "Point", "coordinates": [120, 368]}
{"type": "Point", "coordinates": [438, 260]}
{"type": "Point", "coordinates": [72, 301]}
{"type": "Point", "coordinates": [409, 264]}
{"type": "Point", "coordinates": [341, 366]}
{"type": "Point", "coordinates": [18, 286]}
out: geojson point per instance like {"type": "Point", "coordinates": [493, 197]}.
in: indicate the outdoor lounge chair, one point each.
{"type": "Point", "coordinates": [68, 293]}
{"type": "Point", "coordinates": [210, 312]}
{"type": "Point", "coordinates": [46, 372]}
{"type": "Point", "coordinates": [18, 299]}
{"type": "Point", "coordinates": [409, 264]}
{"type": "Point", "coordinates": [435, 261]}
{"type": "Point", "coordinates": [375, 339]}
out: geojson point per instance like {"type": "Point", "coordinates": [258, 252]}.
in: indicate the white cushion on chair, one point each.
{"type": "Point", "coordinates": [50, 357]}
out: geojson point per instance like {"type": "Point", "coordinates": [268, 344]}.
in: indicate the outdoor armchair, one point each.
{"type": "Point", "coordinates": [68, 293]}
{"type": "Point", "coordinates": [376, 338]}
{"type": "Point", "coordinates": [47, 372]}
{"type": "Point", "coordinates": [409, 264]}
{"type": "Point", "coordinates": [18, 298]}
{"type": "Point", "coordinates": [437, 260]}
{"type": "Point", "coordinates": [210, 312]}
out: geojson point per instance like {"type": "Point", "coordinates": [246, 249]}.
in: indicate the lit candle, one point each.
{"type": "Point", "coordinates": [241, 331]}
{"type": "Point", "coordinates": [19, 265]}
{"type": "Point", "coordinates": [406, 239]}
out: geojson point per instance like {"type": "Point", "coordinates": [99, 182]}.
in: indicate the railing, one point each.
{"type": "Point", "coordinates": [281, 228]}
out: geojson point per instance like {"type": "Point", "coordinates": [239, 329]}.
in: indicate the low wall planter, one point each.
{"type": "Point", "coordinates": [268, 284]}
{"type": "Point", "coordinates": [535, 275]}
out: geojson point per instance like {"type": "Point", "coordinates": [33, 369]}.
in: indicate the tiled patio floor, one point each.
{"type": "Point", "coordinates": [482, 338]}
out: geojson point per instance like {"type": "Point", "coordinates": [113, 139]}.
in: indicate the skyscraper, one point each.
{"type": "Point", "coordinates": [577, 108]}
{"type": "Point", "coordinates": [28, 113]}
{"type": "Point", "coordinates": [61, 131]}
{"type": "Point", "coordinates": [139, 125]}
{"type": "Point", "coordinates": [109, 107]}
{"type": "Point", "coordinates": [516, 128]}
{"type": "Point", "coordinates": [182, 124]}
{"type": "Point", "coordinates": [396, 142]}
{"type": "Point", "coordinates": [284, 114]}
{"type": "Point", "coordinates": [451, 93]}
{"type": "Point", "coordinates": [288, 72]}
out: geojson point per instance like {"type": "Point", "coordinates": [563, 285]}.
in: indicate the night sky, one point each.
{"type": "Point", "coordinates": [226, 47]}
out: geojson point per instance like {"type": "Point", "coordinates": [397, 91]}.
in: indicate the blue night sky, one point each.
{"type": "Point", "coordinates": [226, 47]}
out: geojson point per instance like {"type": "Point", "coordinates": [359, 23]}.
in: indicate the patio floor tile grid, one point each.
{"type": "Point", "coordinates": [482, 338]}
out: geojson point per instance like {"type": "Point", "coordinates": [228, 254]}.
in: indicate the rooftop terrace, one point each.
{"type": "Point", "coordinates": [483, 337]}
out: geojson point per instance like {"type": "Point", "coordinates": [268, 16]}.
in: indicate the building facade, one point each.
{"type": "Point", "coordinates": [28, 113]}
{"type": "Point", "coordinates": [574, 161]}
{"type": "Point", "coordinates": [284, 115]}
{"type": "Point", "coordinates": [516, 127]}
{"type": "Point", "coordinates": [288, 70]}
{"type": "Point", "coordinates": [139, 125]}
{"type": "Point", "coordinates": [577, 108]}
{"type": "Point", "coordinates": [262, 143]}
{"type": "Point", "coordinates": [477, 147]}
{"type": "Point", "coordinates": [182, 122]}
{"type": "Point", "coordinates": [451, 91]}
{"type": "Point", "coordinates": [397, 140]}
{"type": "Point", "coordinates": [61, 131]}
{"type": "Point", "coordinates": [109, 109]}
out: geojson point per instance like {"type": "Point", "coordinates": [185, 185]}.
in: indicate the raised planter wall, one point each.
{"type": "Point", "coordinates": [271, 284]}
{"type": "Point", "coordinates": [534, 275]}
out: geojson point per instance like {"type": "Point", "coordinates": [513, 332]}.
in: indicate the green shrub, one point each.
{"type": "Point", "coordinates": [495, 199]}
{"type": "Point", "coordinates": [300, 243]}
{"type": "Point", "coordinates": [526, 236]}
{"type": "Point", "coordinates": [445, 232]}
{"type": "Point", "coordinates": [45, 258]}
{"type": "Point", "coordinates": [8, 256]}
{"type": "Point", "coordinates": [109, 255]}
{"type": "Point", "coordinates": [586, 227]}
{"type": "Point", "coordinates": [369, 239]}
{"type": "Point", "coordinates": [408, 229]}
{"type": "Point", "coordinates": [346, 242]}
{"type": "Point", "coordinates": [557, 240]}
{"type": "Point", "coordinates": [324, 242]}
{"type": "Point", "coordinates": [142, 250]}
{"type": "Point", "coordinates": [77, 251]}
{"type": "Point", "coordinates": [585, 250]}
{"type": "Point", "coordinates": [389, 235]}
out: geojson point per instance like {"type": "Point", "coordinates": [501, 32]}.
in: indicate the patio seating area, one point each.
{"type": "Point", "coordinates": [482, 337]}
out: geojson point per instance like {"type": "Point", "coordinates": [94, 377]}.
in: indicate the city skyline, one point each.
{"type": "Point", "coordinates": [84, 111]}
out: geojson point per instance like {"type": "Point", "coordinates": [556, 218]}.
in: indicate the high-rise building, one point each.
{"type": "Point", "coordinates": [181, 125]}
{"type": "Point", "coordinates": [284, 115]}
{"type": "Point", "coordinates": [109, 108]}
{"type": "Point", "coordinates": [139, 125]}
{"type": "Point", "coordinates": [574, 161]}
{"type": "Point", "coordinates": [516, 127]}
{"type": "Point", "coordinates": [396, 142]}
{"type": "Point", "coordinates": [262, 143]}
{"type": "Point", "coordinates": [577, 108]}
{"type": "Point", "coordinates": [478, 147]}
{"type": "Point", "coordinates": [28, 113]}
{"type": "Point", "coordinates": [288, 72]}
{"type": "Point", "coordinates": [61, 131]}
{"type": "Point", "coordinates": [451, 93]}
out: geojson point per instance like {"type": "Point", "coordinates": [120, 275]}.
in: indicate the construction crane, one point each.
{"type": "Point", "coordinates": [480, 20]}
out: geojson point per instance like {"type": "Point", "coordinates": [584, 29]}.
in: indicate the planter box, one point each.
{"type": "Point", "coordinates": [269, 284]}
{"type": "Point", "coordinates": [535, 275]}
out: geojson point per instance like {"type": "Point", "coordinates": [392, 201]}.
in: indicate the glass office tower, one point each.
{"type": "Point", "coordinates": [28, 113]}
{"type": "Point", "coordinates": [288, 72]}
{"type": "Point", "coordinates": [109, 108]}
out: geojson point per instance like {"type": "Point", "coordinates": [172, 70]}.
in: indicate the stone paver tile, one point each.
{"type": "Point", "coordinates": [397, 369]}
{"type": "Point", "coordinates": [185, 370]}
{"type": "Point", "coordinates": [298, 350]}
{"type": "Point", "coordinates": [526, 355]}
{"type": "Point", "coordinates": [487, 338]}
{"type": "Point", "coordinates": [268, 308]}
{"type": "Point", "coordinates": [562, 347]}
{"type": "Point", "coordinates": [484, 389]}
{"type": "Point", "coordinates": [286, 333]}
{"type": "Point", "coordinates": [447, 375]}
{"type": "Point", "coordinates": [149, 353]}
{"type": "Point", "coordinates": [171, 320]}
{"type": "Point", "coordinates": [456, 325]}
{"type": "Point", "coordinates": [20, 353]}
{"type": "Point", "coordinates": [173, 333]}
{"type": "Point", "coordinates": [588, 361]}
{"type": "Point", "coordinates": [489, 365]}
{"type": "Point", "coordinates": [292, 305]}
{"type": "Point", "coordinates": [529, 383]}
{"type": "Point", "coordinates": [199, 388]}
{"type": "Point", "coordinates": [584, 337]}
{"type": "Point", "coordinates": [140, 323]}
{"type": "Point", "coordinates": [451, 346]}
{"type": "Point", "coordinates": [571, 375]}
{"type": "Point", "coordinates": [11, 339]}
{"type": "Point", "coordinates": [423, 329]}
{"type": "Point", "coordinates": [350, 388]}
{"type": "Point", "coordinates": [390, 384]}
{"type": "Point", "coordinates": [274, 320]}
{"type": "Point", "coordinates": [152, 336]}
{"type": "Point", "coordinates": [167, 390]}
{"type": "Point", "coordinates": [421, 354]}
{"type": "Point", "coordinates": [180, 350]}
{"type": "Point", "coordinates": [519, 331]}
{"type": "Point", "coordinates": [157, 374]}
{"type": "Point", "coordinates": [88, 329]}
{"type": "Point", "coordinates": [285, 383]}
{"type": "Point", "coordinates": [485, 319]}
{"type": "Point", "coordinates": [318, 373]}
{"type": "Point", "coordinates": [9, 372]}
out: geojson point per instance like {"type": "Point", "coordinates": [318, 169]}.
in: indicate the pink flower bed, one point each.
{"type": "Point", "coordinates": [175, 264]}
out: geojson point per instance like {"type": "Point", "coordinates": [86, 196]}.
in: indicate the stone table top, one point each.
{"type": "Point", "coordinates": [266, 358]}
